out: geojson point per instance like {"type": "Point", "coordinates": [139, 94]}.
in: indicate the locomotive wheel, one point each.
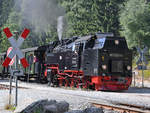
{"type": "Point", "coordinates": [63, 82]}
{"type": "Point", "coordinates": [76, 84]}
{"type": "Point", "coordinates": [56, 82]}
{"type": "Point", "coordinates": [92, 87]}
{"type": "Point", "coordinates": [85, 85]}
{"type": "Point", "coordinates": [97, 87]}
{"type": "Point", "coordinates": [79, 84]}
{"type": "Point", "coordinates": [72, 83]}
{"type": "Point", "coordinates": [66, 83]}
{"type": "Point", "coordinates": [60, 82]}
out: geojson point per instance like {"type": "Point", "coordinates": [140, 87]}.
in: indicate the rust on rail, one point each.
{"type": "Point", "coordinates": [6, 87]}
{"type": "Point", "coordinates": [121, 109]}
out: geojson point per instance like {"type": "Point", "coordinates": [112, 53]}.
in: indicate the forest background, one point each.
{"type": "Point", "coordinates": [128, 18]}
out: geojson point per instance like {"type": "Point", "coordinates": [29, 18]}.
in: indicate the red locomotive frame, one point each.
{"type": "Point", "coordinates": [74, 78]}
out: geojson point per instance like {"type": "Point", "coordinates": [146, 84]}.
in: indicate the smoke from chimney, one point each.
{"type": "Point", "coordinates": [60, 27]}
{"type": "Point", "coordinates": [40, 14]}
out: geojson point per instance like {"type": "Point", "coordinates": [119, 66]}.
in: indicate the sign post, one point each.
{"type": "Point", "coordinates": [10, 90]}
{"type": "Point", "coordinates": [142, 60]}
{"type": "Point", "coordinates": [15, 50]}
{"type": "Point", "coordinates": [10, 79]}
{"type": "Point", "coordinates": [16, 73]}
{"type": "Point", "coordinates": [16, 98]}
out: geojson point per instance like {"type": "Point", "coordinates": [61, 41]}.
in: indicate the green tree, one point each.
{"type": "Point", "coordinates": [5, 11]}
{"type": "Point", "coordinates": [90, 16]}
{"type": "Point", "coordinates": [82, 18]}
{"type": "Point", "coordinates": [134, 19]}
{"type": "Point", "coordinates": [12, 23]}
{"type": "Point", "coordinates": [11, 16]}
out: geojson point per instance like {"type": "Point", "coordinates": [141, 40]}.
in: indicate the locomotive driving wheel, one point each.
{"type": "Point", "coordinates": [66, 82]}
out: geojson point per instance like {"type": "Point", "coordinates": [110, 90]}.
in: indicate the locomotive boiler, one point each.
{"type": "Point", "coordinates": [101, 62]}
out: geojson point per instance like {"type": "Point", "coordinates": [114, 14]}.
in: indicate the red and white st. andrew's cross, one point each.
{"type": "Point", "coordinates": [16, 44]}
{"type": "Point", "coordinates": [13, 59]}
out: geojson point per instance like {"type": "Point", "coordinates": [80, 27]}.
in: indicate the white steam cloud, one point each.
{"type": "Point", "coordinates": [40, 13]}
{"type": "Point", "coordinates": [60, 27]}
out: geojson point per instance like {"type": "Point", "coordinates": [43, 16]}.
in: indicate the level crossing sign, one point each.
{"type": "Point", "coordinates": [142, 57]}
{"type": "Point", "coordinates": [15, 45]}
{"type": "Point", "coordinates": [13, 59]}
{"type": "Point", "coordinates": [142, 62]}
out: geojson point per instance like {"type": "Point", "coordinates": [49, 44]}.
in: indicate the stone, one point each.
{"type": "Point", "coordinates": [62, 106]}
{"type": "Point", "coordinates": [75, 111]}
{"type": "Point", "coordinates": [110, 111]}
{"type": "Point", "coordinates": [49, 102]}
{"type": "Point", "coordinates": [55, 107]}
{"type": "Point", "coordinates": [50, 109]}
{"type": "Point", "coordinates": [93, 110]}
{"type": "Point", "coordinates": [30, 108]}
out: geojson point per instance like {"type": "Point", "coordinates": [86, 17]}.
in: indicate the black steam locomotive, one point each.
{"type": "Point", "coordinates": [101, 61]}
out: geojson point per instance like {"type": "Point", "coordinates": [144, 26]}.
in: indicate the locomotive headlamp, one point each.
{"type": "Point", "coordinates": [116, 42]}
{"type": "Point", "coordinates": [48, 70]}
{"type": "Point", "coordinates": [104, 67]}
{"type": "Point", "coordinates": [128, 67]}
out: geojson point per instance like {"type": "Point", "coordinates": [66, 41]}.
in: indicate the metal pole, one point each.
{"type": "Point", "coordinates": [16, 91]}
{"type": "Point", "coordinates": [10, 87]}
{"type": "Point", "coordinates": [16, 62]}
{"type": "Point", "coordinates": [142, 77]}
{"type": "Point", "coordinates": [134, 79]}
{"type": "Point", "coordinates": [28, 74]}
{"type": "Point", "coordinates": [142, 70]}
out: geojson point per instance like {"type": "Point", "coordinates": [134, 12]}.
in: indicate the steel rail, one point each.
{"type": "Point", "coordinates": [122, 108]}
{"type": "Point", "coordinates": [6, 87]}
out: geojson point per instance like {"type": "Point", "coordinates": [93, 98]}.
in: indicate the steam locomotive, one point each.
{"type": "Point", "coordinates": [101, 62]}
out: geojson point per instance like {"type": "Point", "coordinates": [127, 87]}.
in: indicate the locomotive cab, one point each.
{"type": "Point", "coordinates": [107, 60]}
{"type": "Point", "coordinates": [117, 57]}
{"type": "Point", "coordinates": [110, 55]}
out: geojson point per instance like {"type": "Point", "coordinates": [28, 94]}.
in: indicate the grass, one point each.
{"type": "Point", "coordinates": [146, 72]}
{"type": "Point", "coordinates": [10, 107]}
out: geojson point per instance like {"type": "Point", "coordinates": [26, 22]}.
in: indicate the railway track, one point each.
{"type": "Point", "coordinates": [122, 108]}
{"type": "Point", "coordinates": [6, 87]}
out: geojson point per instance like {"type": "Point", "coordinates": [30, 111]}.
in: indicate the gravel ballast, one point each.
{"type": "Point", "coordinates": [78, 99]}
